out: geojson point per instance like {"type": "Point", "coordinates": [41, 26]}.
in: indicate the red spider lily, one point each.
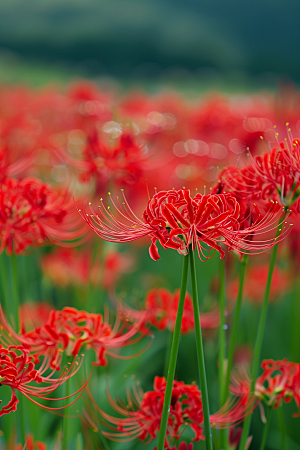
{"type": "Point", "coordinates": [182, 446]}
{"type": "Point", "coordinates": [275, 175]}
{"type": "Point", "coordinates": [31, 444]}
{"type": "Point", "coordinates": [67, 266]}
{"type": "Point", "coordinates": [280, 381]}
{"type": "Point", "coordinates": [124, 162]}
{"type": "Point", "coordinates": [161, 309]}
{"type": "Point", "coordinates": [33, 214]}
{"type": "Point", "coordinates": [19, 369]}
{"type": "Point", "coordinates": [177, 221]}
{"type": "Point", "coordinates": [68, 331]}
{"type": "Point", "coordinates": [256, 281]}
{"type": "Point", "coordinates": [142, 414]}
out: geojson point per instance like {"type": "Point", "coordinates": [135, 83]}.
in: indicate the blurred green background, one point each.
{"type": "Point", "coordinates": [152, 40]}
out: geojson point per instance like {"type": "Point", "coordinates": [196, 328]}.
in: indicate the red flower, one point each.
{"type": "Point", "coordinates": [19, 369]}
{"type": "Point", "coordinates": [69, 331]}
{"type": "Point", "coordinates": [279, 381]}
{"type": "Point", "coordinates": [177, 220]}
{"type": "Point", "coordinates": [33, 214]}
{"type": "Point", "coordinates": [124, 162]}
{"type": "Point", "coordinates": [142, 416]}
{"type": "Point", "coordinates": [143, 413]}
{"type": "Point", "coordinates": [161, 309]}
{"type": "Point", "coordinates": [273, 175]}
{"type": "Point", "coordinates": [31, 445]}
{"type": "Point", "coordinates": [182, 446]}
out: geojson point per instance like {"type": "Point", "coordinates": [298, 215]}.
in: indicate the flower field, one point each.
{"type": "Point", "coordinates": [149, 270]}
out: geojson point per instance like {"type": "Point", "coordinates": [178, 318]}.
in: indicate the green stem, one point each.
{"type": "Point", "coordinates": [222, 341]}
{"type": "Point", "coordinates": [281, 428]}
{"type": "Point", "coordinates": [233, 336]}
{"type": "Point", "coordinates": [259, 338]}
{"type": "Point", "coordinates": [295, 310]}
{"type": "Point", "coordinates": [65, 419]}
{"type": "Point", "coordinates": [173, 357]}
{"type": "Point", "coordinates": [168, 352]}
{"type": "Point", "coordinates": [22, 419]}
{"type": "Point", "coordinates": [5, 286]}
{"type": "Point", "coordinates": [266, 429]}
{"type": "Point", "coordinates": [14, 281]}
{"type": "Point", "coordinates": [200, 355]}
{"type": "Point", "coordinates": [13, 265]}
{"type": "Point", "coordinates": [215, 440]}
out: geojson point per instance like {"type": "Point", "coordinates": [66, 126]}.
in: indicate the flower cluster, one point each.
{"type": "Point", "coordinates": [18, 370]}
{"type": "Point", "coordinates": [272, 175]}
{"type": "Point", "coordinates": [280, 381]}
{"type": "Point", "coordinates": [160, 311]}
{"type": "Point", "coordinates": [142, 415]}
{"type": "Point", "coordinates": [68, 331]}
{"type": "Point", "coordinates": [31, 444]}
{"type": "Point", "coordinates": [34, 214]}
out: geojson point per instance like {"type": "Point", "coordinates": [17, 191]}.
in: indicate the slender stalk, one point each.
{"type": "Point", "coordinates": [259, 339]}
{"type": "Point", "coordinates": [168, 351]}
{"type": "Point", "coordinates": [282, 429]}
{"type": "Point", "coordinates": [222, 328]}
{"type": "Point", "coordinates": [173, 357]}
{"type": "Point", "coordinates": [295, 310]}
{"type": "Point", "coordinates": [215, 440]}
{"type": "Point", "coordinates": [266, 429]}
{"type": "Point", "coordinates": [200, 355]}
{"type": "Point", "coordinates": [5, 285]}
{"type": "Point", "coordinates": [22, 419]}
{"type": "Point", "coordinates": [65, 418]}
{"type": "Point", "coordinates": [14, 280]}
{"type": "Point", "coordinates": [233, 336]}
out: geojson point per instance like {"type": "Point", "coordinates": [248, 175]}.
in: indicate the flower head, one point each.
{"type": "Point", "coordinates": [177, 220]}
{"type": "Point", "coordinates": [142, 415]}
{"type": "Point", "coordinates": [31, 444]}
{"type": "Point", "coordinates": [272, 175]}
{"type": "Point", "coordinates": [161, 308]}
{"type": "Point", "coordinates": [33, 214]}
{"type": "Point", "coordinates": [20, 371]}
{"type": "Point", "coordinates": [280, 381]}
{"type": "Point", "coordinates": [68, 331]}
